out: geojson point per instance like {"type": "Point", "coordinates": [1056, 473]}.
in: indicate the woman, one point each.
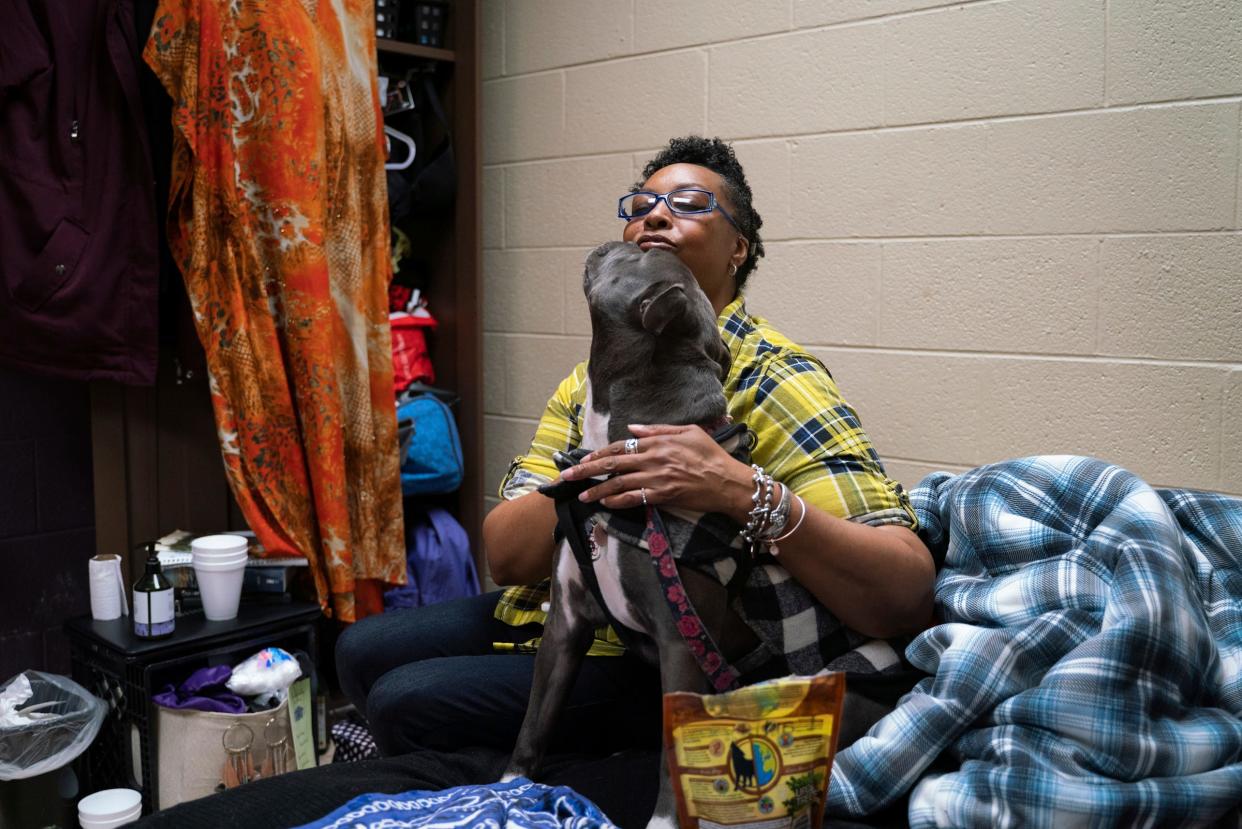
{"type": "Point", "coordinates": [430, 678]}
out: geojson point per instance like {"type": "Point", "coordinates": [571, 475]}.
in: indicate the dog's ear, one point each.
{"type": "Point", "coordinates": [663, 308]}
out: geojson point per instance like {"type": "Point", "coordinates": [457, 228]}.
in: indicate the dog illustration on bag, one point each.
{"type": "Point", "coordinates": [760, 771]}
{"type": "Point", "coordinates": [743, 768]}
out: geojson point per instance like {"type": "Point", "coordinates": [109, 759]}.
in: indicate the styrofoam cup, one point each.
{"type": "Point", "coordinates": [223, 565]}
{"type": "Point", "coordinates": [219, 549]}
{"type": "Point", "coordinates": [227, 558]}
{"type": "Point", "coordinates": [199, 556]}
{"type": "Point", "coordinates": [112, 823]}
{"type": "Point", "coordinates": [109, 808]}
{"type": "Point", "coordinates": [219, 544]}
{"type": "Point", "coordinates": [220, 586]}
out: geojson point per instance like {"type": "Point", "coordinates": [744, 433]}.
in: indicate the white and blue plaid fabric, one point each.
{"type": "Point", "coordinates": [1088, 670]}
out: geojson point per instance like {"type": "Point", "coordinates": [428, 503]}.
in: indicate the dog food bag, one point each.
{"type": "Point", "coordinates": [755, 758]}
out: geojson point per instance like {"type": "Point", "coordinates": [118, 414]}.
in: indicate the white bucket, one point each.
{"type": "Point", "coordinates": [220, 587]}
{"type": "Point", "coordinates": [109, 808]}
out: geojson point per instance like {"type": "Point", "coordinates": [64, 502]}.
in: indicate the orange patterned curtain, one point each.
{"type": "Point", "coordinates": [278, 220]}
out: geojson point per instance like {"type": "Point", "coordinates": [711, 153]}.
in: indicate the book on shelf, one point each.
{"type": "Point", "coordinates": [263, 574]}
{"type": "Point", "coordinates": [174, 551]}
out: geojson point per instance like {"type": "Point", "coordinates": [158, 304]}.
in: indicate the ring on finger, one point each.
{"type": "Point", "coordinates": [642, 492]}
{"type": "Point", "coordinates": [631, 446]}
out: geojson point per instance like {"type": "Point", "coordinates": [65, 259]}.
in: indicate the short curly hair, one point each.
{"type": "Point", "coordinates": [717, 156]}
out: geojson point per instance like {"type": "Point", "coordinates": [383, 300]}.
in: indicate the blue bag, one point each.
{"type": "Point", "coordinates": [431, 459]}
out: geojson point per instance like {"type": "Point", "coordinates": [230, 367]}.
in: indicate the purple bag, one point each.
{"type": "Point", "coordinates": [439, 564]}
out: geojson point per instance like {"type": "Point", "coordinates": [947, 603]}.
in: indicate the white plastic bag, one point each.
{"type": "Point", "coordinates": [16, 695]}
{"type": "Point", "coordinates": [62, 722]}
{"type": "Point", "coordinates": [268, 673]}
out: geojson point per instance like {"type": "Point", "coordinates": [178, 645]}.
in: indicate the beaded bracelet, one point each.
{"type": "Point", "coordinates": [762, 501]}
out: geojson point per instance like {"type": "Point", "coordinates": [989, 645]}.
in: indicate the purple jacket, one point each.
{"type": "Point", "coordinates": [78, 241]}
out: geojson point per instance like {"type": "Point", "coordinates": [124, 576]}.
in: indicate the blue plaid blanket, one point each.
{"type": "Point", "coordinates": [1088, 670]}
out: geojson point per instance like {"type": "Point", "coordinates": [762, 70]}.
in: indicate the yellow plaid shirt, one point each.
{"type": "Point", "coordinates": [807, 437]}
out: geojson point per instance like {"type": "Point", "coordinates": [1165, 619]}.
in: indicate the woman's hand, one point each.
{"type": "Point", "coordinates": [877, 580]}
{"type": "Point", "coordinates": [675, 466]}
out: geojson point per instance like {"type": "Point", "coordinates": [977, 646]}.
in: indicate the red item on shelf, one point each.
{"type": "Point", "coordinates": [411, 360]}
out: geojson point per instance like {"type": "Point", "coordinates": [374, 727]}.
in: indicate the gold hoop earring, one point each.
{"type": "Point", "coordinates": [732, 269]}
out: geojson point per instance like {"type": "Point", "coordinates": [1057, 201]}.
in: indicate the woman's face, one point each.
{"type": "Point", "coordinates": [706, 242]}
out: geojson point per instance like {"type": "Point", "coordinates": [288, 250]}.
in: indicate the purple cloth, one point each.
{"type": "Point", "coordinates": [203, 690]}
{"type": "Point", "coordinates": [439, 564]}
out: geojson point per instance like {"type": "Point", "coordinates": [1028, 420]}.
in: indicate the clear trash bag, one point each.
{"type": "Point", "coordinates": [48, 729]}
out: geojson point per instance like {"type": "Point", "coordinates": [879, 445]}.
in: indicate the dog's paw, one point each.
{"type": "Point", "coordinates": [573, 457]}
{"type": "Point", "coordinates": [563, 490]}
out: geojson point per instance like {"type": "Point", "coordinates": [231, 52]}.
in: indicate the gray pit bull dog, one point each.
{"type": "Point", "coordinates": [656, 357]}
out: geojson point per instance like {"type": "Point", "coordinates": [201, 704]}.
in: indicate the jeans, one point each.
{"type": "Point", "coordinates": [429, 678]}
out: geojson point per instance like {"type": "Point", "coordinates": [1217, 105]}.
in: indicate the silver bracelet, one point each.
{"type": "Point", "coordinates": [779, 516]}
{"type": "Point", "coordinates": [762, 501]}
{"type": "Point", "coordinates": [772, 548]}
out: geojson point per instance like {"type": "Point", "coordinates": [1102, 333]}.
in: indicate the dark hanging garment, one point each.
{"type": "Point", "coordinates": [78, 238]}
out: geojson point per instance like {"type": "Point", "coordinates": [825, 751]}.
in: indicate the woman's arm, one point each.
{"type": "Point", "coordinates": [518, 533]}
{"type": "Point", "coordinates": [876, 579]}
{"type": "Point", "coordinates": [518, 539]}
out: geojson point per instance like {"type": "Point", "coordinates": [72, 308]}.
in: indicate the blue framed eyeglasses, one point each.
{"type": "Point", "coordinates": [687, 201]}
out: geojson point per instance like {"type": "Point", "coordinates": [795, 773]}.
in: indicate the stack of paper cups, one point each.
{"type": "Point", "coordinates": [107, 588]}
{"type": "Point", "coordinates": [219, 564]}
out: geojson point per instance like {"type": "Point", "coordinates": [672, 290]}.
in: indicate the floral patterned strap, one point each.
{"type": "Point", "coordinates": [722, 675]}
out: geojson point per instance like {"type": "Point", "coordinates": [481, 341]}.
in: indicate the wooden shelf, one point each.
{"type": "Point", "coordinates": [396, 47]}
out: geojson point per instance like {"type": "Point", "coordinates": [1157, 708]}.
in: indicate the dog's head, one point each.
{"type": "Point", "coordinates": [656, 353]}
{"type": "Point", "coordinates": [652, 295]}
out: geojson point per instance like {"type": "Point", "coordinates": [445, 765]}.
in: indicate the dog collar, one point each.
{"type": "Point", "coordinates": [722, 675]}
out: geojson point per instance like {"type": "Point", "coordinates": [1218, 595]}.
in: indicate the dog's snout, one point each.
{"type": "Point", "coordinates": [605, 263]}
{"type": "Point", "coordinates": [603, 250]}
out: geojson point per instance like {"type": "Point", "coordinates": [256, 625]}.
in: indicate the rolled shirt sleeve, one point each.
{"type": "Point", "coordinates": [810, 439]}
{"type": "Point", "coordinates": [559, 430]}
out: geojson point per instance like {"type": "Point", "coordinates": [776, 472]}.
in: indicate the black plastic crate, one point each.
{"type": "Point", "coordinates": [123, 749]}
{"type": "Point", "coordinates": [430, 21]}
{"type": "Point", "coordinates": [424, 24]}
{"type": "Point", "coordinates": [387, 18]}
{"type": "Point", "coordinates": [125, 672]}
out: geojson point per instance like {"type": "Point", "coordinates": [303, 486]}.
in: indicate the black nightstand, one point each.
{"type": "Point", "coordinates": [125, 671]}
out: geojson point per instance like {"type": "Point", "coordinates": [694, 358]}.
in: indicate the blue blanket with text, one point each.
{"type": "Point", "coordinates": [518, 804]}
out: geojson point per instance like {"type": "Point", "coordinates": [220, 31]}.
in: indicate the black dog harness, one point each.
{"type": "Point", "coordinates": [644, 527]}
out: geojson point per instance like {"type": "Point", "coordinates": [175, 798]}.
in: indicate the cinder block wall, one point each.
{"type": "Point", "coordinates": [1008, 227]}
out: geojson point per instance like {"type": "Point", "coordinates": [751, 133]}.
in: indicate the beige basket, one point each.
{"type": "Point", "coordinates": [190, 752]}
